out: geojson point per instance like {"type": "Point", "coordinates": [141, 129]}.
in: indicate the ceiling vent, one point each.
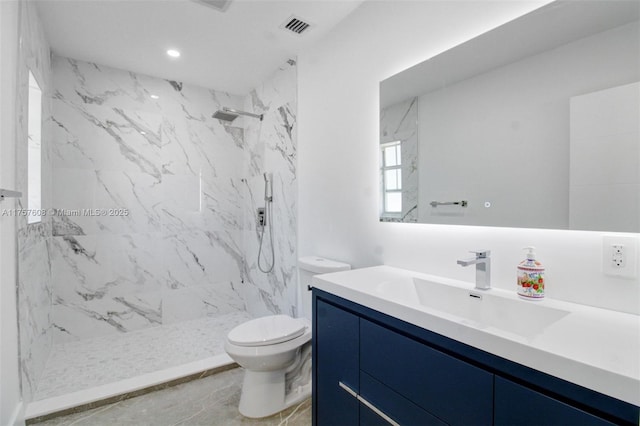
{"type": "Point", "coordinates": [295, 25]}
{"type": "Point", "coordinates": [219, 5]}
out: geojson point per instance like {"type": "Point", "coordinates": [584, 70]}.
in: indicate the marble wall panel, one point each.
{"type": "Point", "coordinates": [271, 147]}
{"type": "Point", "coordinates": [176, 252]}
{"type": "Point", "coordinates": [105, 284]}
{"type": "Point", "coordinates": [34, 274]}
{"type": "Point", "coordinates": [35, 313]}
{"type": "Point", "coordinates": [90, 83]}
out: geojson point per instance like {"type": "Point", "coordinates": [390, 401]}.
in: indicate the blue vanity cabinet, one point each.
{"type": "Point", "coordinates": [368, 366]}
{"type": "Point", "coordinates": [391, 403]}
{"type": "Point", "coordinates": [335, 361]}
{"type": "Point", "coordinates": [451, 390]}
{"type": "Point", "coordinates": [516, 405]}
{"type": "Point", "coordinates": [343, 394]}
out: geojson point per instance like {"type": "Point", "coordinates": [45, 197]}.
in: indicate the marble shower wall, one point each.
{"type": "Point", "coordinates": [150, 190]}
{"type": "Point", "coordinates": [34, 268]}
{"type": "Point", "coordinates": [399, 122]}
{"type": "Point", "coordinates": [271, 147]}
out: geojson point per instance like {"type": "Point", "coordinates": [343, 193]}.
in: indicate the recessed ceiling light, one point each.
{"type": "Point", "coordinates": [143, 133]}
{"type": "Point", "coordinates": [155, 97]}
{"type": "Point", "coordinates": [173, 53]}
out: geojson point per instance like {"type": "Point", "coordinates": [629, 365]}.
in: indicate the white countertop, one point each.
{"type": "Point", "coordinates": [592, 347]}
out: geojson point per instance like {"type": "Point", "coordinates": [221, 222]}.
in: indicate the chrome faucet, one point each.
{"type": "Point", "coordinates": [483, 268]}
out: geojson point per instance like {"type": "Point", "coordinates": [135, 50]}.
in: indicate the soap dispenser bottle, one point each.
{"type": "Point", "coordinates": [531, 276]}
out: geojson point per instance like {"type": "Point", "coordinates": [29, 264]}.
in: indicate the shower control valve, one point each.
{"type": "Point", "coordinates": [261, 218]}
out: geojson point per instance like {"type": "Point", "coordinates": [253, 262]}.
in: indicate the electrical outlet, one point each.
{"type": "Point", "coordinates": [620, 256]}
{"type": "Point", "coordinates": [617, 256]}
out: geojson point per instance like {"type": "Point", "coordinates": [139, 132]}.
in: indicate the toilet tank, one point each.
{"type": "Point", "coordinates": [309, 266]}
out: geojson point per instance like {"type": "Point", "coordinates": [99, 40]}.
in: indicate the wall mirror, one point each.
{"type": "Point", "coordinates": [535, 124]}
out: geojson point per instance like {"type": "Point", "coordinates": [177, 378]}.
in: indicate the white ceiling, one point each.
{"type": "Point", "coordinates": [232, 51]}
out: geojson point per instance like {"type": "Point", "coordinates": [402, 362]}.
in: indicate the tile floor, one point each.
{"type": "Point", "coordinates": [209, 401]}
{"type": "Point", "coordinates": [92, 362]}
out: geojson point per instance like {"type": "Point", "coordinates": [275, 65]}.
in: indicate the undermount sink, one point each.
{"type": "Point", "coordinates": [478, 308]}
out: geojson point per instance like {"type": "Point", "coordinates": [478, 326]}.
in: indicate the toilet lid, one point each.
{"type": "Point", "coordinates": [266, 331]}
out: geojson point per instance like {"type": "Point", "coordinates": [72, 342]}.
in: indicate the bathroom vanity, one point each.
{"type": "Point", "coordinates": [394, 346]}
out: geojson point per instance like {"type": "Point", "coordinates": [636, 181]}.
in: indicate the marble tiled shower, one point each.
{"type": "Point", "coordinates": [172, 250]}
{"type": "Point", "coordinates": [172, 266]}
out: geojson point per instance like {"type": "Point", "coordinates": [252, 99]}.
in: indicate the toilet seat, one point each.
{"type": "Point", "coordinates": [267, 331]}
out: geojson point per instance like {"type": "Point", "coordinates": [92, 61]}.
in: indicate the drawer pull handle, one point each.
{"type": "Point", "coordinates": [368, 404]}
{"type": "Point", "coordinates": [348, 389]}
{"type": "Point", "coordinates": [378, 411]}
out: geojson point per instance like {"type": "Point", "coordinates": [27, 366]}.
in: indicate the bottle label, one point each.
{"type": "Point", "coordinates": [531, 283]}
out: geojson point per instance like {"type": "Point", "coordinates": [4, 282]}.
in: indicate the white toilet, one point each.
{"type": "Point", "coordinates": [276, 350]}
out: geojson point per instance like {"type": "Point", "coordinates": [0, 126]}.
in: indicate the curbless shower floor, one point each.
{"type": "Point", "coordinates": [209, 401]}
{"type": "Point", "coordinates": [94, 363]}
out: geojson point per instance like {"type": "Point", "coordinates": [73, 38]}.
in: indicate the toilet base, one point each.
{"type": "Point", "coordinates": [263, 394]}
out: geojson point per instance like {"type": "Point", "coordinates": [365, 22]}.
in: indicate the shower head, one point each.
{"type": "Point", "coordinates": [228, 114]}
{"type": "Point", "coordinates": [225, 116]}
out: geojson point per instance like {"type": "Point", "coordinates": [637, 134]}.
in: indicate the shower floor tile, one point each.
{"type": "Point", "coordinates": [88, 363]}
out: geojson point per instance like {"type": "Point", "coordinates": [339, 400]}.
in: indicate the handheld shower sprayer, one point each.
{"type": "Point", "coordinates": [266, 221]}
{"type": "Point", "coordinates": [268, 188]}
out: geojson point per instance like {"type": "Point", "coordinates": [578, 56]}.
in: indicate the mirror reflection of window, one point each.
{"type": "Point", "coordinates": [392, 178]}
{"type": "Point", "coordinates": [34, 159]}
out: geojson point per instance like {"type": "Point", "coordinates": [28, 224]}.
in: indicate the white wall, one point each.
{"type": "Point", "coordinates": [338, 159]}
{"type": "Point", "coordinates": [605, 159]}
{"type": "Point", "coordinates": [10, 401]}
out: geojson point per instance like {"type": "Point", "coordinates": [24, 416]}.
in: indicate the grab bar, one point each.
{"type": "Point", "coordinates": [462, 203]}
{"type": "Point", "coordinates": [5, 193]}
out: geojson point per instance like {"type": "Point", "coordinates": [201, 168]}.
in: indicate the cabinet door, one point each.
{"type": "Point", "coordinates": [337, 350]}
{"type": "Point", "coordinates": [516, 405]}
{"type": "Point", "coordinates": [382, 399]}
{"type": "Point", "coordinates": [452, 390]}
